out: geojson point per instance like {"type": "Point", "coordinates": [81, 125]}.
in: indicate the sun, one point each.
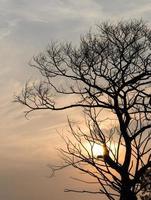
{"type": "Point", "coordinates": [101, 150]}
{"type": "Point", "coordinates": [98, 150]}
{"type": "Point", "coordinates": [94, 149]}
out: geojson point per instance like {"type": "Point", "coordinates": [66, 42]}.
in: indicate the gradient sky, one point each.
{"type": "Point", "coordinates": [27, 146]}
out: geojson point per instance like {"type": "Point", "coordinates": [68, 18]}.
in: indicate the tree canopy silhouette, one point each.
{"type": "Point", "coordinates": [146, 185]}
{"type": "Point", "coordinates": [109, 72]}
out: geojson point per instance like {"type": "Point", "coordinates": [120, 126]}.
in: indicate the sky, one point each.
{"type": "Point", "coordinates": [28, 146]}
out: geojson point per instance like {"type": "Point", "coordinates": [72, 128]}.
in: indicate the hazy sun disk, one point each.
{"type": "Point", "coordinates": [95, 149]}
{"type": "Point", "coordinates": [99, 150]}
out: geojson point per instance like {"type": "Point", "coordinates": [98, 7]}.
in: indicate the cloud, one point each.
{"type": "Point", "coordinates": [37, 22]}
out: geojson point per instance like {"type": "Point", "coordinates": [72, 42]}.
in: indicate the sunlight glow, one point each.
{"type": "Point", "coordinates": [98, 150]}
{"type": "Point", "coordinates": [94, 149]}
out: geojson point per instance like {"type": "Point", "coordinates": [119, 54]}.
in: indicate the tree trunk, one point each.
{"type": "Point", "coordinates": [128, 195]}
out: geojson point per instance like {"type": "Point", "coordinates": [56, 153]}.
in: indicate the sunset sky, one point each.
{"type": "Point", "coordinates": [28, 146]}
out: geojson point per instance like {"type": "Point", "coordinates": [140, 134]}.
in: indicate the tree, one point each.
{"type": "Point", "coordinates": [146, 185]}
{"type": "Point", "coordinates": [110, 71]}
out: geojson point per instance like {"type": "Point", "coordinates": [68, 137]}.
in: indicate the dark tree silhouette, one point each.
{"type": "Point", "coordinates": [110, 72]}
{"type": "Point", "coordinates": [146, 185]}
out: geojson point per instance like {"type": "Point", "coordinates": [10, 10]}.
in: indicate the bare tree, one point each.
{"type": "Point", "coordinates": [110, 72]}
{"type": "Point", "coordinates": [146, 185]}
